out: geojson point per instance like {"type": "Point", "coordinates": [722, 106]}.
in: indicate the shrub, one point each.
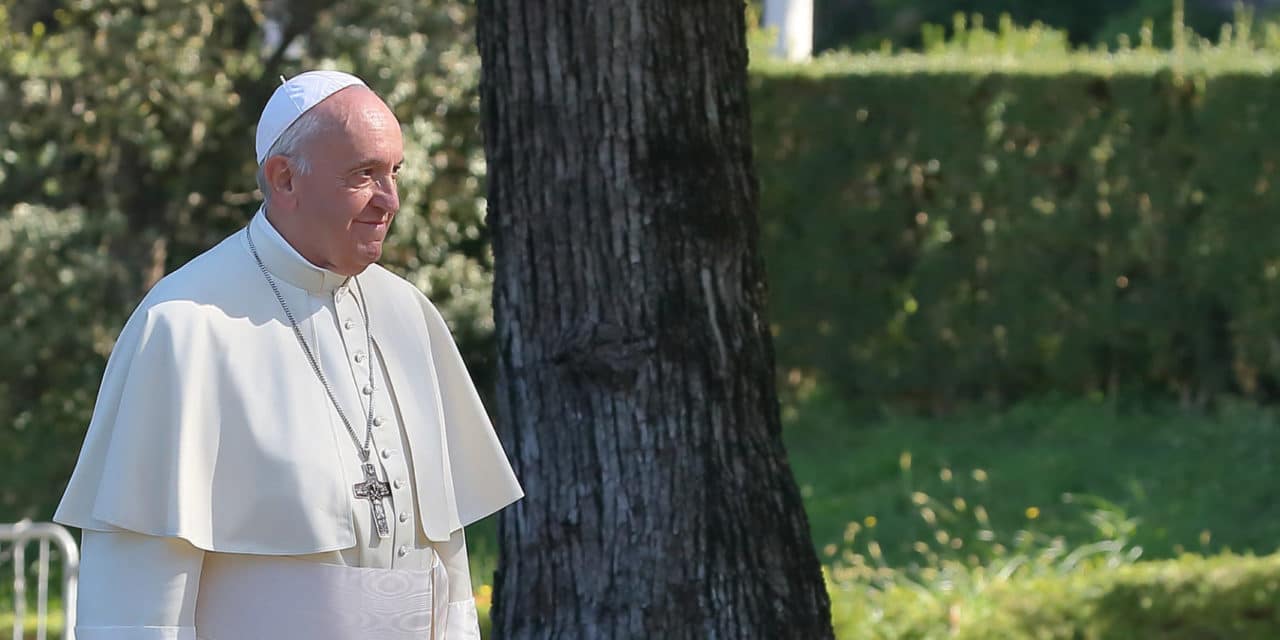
{"type": "Point", "coordinates": [943, 228]}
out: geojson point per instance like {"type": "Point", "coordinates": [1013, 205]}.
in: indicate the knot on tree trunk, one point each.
{"type": "Point", "coordinates": [603, 353]}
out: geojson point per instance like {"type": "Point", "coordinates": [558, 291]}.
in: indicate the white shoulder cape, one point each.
{"type": "Point", "coordinates": [210, 425]}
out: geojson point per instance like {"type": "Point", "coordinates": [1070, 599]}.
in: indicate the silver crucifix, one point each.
{"type": "Point", "coordinates": [374, 491]}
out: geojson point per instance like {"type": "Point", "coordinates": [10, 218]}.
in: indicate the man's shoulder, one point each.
{"type": "Point", "coordinates": [384, 279]}
{"type": "Point", "coordinates": [210, 281]}
{"type": "Point", "coordinates": [400, 294]}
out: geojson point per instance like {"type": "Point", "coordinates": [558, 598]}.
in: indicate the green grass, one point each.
{"type": "Point", "coordinates": [1192, 598]}
{"type": "Point", "coordinates": [482, 550]}
{"type": "Point", "coordinates": [53, 630]}
{"type": "Point", "coordinates": [1183, 482]}
{"type": "Point", "coordinates": [971, 493]}
{"type": "Point", "coordinates": [1036, 519]}
{"type": "Point", "coordinates": [1189, 482]}
{"type": "Point", "coordinates": [1055, 519]}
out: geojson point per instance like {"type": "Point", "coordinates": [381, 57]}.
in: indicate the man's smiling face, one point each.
{"type": "Point", "coordinates": [346, 200]}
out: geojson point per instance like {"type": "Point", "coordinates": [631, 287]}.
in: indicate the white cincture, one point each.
{"type": "Point", "coordinates": [269, 598]}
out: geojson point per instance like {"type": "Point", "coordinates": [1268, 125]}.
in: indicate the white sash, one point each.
{"type": "Point", "coordinates": [244, 597]}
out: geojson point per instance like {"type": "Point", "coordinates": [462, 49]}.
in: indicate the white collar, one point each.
{"type": "Point", "coordinates": [284, 262]}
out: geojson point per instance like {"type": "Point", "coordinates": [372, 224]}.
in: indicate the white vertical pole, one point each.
{"type": "Point", "coordinates": [794, 21]}
{"type": "Point", "coordinates": [19, 589]}
{"type": "Point", "coordinates": [42, 590]}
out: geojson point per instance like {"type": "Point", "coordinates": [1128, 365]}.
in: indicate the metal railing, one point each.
{"type": "Point", "coordinates": [46, 534]}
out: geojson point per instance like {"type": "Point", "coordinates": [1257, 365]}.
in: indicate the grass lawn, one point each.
{"type": "Point", "coordinates": [1183, 482]}
{"type": "Point", "coordinates": [1162, 479]}
{"type": "Point", "coordinates": [53, 630]}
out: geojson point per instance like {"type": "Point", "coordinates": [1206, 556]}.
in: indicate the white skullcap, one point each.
{"type": "Point", "coordinates": [294, 98]}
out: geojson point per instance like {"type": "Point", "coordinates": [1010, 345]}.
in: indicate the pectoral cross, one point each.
{"type": "Point", "coordinates": [374, 491]}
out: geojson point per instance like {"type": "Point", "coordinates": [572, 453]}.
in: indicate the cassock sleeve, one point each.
{"type": "Point", "coordinates": [462, 621]}
{"type": "Point", "coordinates": [137, 587]}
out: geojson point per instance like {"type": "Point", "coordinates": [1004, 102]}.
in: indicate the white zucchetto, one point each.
{"type": "Point", "coordinates": [292, 99]}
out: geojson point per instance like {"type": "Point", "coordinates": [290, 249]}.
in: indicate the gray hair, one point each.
{"type": "Point", "coordinates": [290, 145]}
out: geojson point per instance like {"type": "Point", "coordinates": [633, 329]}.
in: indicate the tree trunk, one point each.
{"type": "Point", "coordinates": [636, 373]}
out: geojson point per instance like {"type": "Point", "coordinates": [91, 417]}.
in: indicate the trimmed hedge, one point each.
{"type": "Point", "coordinates": [953, 233]}
{"type": "Point", "coordinates": [1228, 596]}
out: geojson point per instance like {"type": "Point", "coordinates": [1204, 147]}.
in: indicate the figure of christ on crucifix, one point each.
{"type": "Point", "coordinates": [375, 491]}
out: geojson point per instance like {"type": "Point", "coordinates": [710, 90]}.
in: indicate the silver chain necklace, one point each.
{"type": "Point", "coordinates": [371, 489]}
{"type": "Point", "coordinates": [315, 364]}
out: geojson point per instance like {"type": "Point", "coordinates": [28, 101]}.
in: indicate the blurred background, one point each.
{"type": "Point", "coordinates": [865, 24]}
{"type": "Point", "coordinates": [1023, 261]}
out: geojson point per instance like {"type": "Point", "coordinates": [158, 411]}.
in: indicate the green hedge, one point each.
{"type": "Point", "coordinates": [938, 232]}
{"type": "Point", "coordinates": [1190, 598]}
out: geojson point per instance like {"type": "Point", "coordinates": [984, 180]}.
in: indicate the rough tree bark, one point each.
{"type": "Point", "coordinates": [636, 371]}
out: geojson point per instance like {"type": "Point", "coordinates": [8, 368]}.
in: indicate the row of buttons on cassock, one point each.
{"type": "Point", "coordinates": [378, 422]}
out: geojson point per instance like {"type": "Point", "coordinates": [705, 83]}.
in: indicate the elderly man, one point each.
{"type": "Point", "coordinates": [286, 444]}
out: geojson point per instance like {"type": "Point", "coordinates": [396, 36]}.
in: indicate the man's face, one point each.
{"type": "Point", "coordinates": [346, 201]}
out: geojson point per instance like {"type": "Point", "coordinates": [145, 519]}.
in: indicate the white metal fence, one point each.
{"type": "Point", "coordinates": [14, 540]}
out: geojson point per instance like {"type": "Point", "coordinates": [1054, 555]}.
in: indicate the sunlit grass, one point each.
{"type": "Point", "coordinates": [54, 623]}
{"type": "Point", "coordinates": [959, 554]}
{"type": "Point", "coordinates": [930, 514]}
{"type": "Point", "coordinates": [983, 525]}
{"type": "Point", "coordinates": [1188, 482]}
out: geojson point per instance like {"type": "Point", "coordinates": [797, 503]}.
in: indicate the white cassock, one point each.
{"type": "Point", "coordinates": [215, 485]}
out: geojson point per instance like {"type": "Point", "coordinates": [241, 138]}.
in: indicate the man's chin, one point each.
{"type": "Point", "coordinates": [367, 255]}
{"type": "Point", "coordinates": [357, 263]}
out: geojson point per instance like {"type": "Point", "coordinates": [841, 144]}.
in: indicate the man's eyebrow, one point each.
{"type": "Point", "coordinates": [371, 162]}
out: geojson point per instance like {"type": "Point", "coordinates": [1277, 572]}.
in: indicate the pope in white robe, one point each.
{"type": "Point", "coordinates": [286, 443]}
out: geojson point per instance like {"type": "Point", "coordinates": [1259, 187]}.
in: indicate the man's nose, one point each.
{"type": "Point", "coordinates": [388, 196]}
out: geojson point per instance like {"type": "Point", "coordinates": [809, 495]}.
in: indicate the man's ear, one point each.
{"type": "Point", "coordinates": [279, 177]}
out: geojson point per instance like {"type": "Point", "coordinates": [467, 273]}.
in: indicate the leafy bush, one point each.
{"type": "Point", "coordinates": [943, 228]}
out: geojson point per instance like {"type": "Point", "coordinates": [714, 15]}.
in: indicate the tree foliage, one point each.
{"type": "Point", "coordinates": [126, 149]}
